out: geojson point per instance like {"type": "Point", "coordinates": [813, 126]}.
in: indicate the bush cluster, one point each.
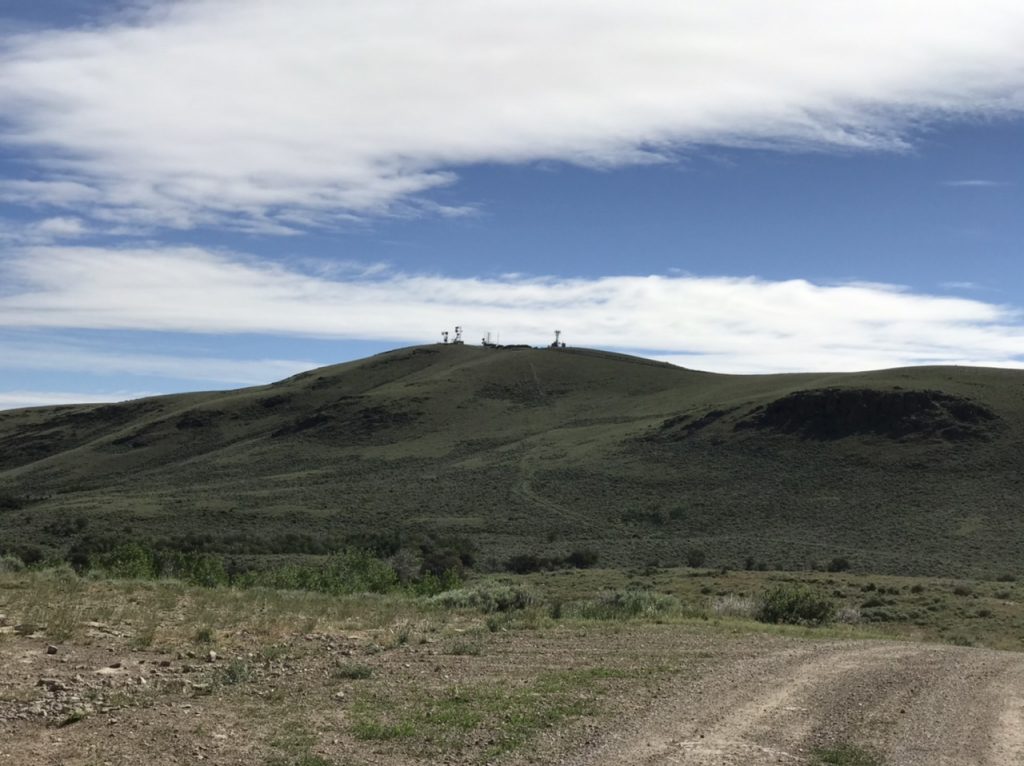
{"type": "Point", "coordinates": [795, 605]}
{"type": "Point", "coordinates": [487, 597]}
{"type": "Point", "coordinates": [352, 570]}
{"type": "Point", "coordinates": [9, 502]}
{"type": "Point", "coordinates": [525, 563]}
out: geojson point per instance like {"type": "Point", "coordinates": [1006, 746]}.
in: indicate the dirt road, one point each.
{"type": "Point", "coordinates": [915, 705]}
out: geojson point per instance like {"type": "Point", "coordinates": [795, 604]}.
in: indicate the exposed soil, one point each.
{"type": "Point", "coordinates": [711, 698]}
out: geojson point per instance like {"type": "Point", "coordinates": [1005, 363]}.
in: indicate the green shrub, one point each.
{"type": "Point", "coordinates": [11, 564]}
{"type": "Point", "coordinates": [582, 558]}
{"type": "Point", "coordinates": [838, 564]}
{"type": "Point", "coordinates": [695, 558]}
{"type": "Point", "coordinates": [128, 561]}
{"type": "Point", "coordinates": [525, 563]}
{"type": "Point", "coordinates": [9, 502]}
{"type": "Point", "coordinates": [795, 605]}
{"type": "Point", "coordinates": [431, 584]}
{"type": "Point", "coordinates": [487, 597]}
{"type": "Point", "coordinates": [352, 571]}
{"type": "Point", "coordinates": [193, 568]}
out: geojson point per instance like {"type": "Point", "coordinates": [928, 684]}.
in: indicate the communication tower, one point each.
{"type": "Point", "coordinates": [445, 336]}
{"type": "Point", "coordinates": [458, 335]}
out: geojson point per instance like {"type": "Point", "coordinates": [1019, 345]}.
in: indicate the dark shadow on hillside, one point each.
{"type": "Point", "coordinates": [835, 413]}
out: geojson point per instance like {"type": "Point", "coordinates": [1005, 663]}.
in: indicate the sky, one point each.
{"type": "Point", "coordinates": [208, 194]}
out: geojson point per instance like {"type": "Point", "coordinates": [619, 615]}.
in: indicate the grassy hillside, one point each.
{"type": "Point", "coordinates": [910, 471]}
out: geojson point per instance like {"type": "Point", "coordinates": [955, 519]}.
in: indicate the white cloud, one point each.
{"type": "Point", "coordinates": [68, 357]}
{"type": "Point", "coordinates": [276, 116]}
{"type": "Point", "coordinates": [10, 400]}
{"type": "Point", "coordinates": [43, 231]}
{"type": "Point", "coordinates": [726, 323]}
{"type": "Point", "coordinates": [961, 286]}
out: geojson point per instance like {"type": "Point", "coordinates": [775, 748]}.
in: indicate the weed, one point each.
{"type": "Point", "coordinates": [73, 717]}
{"type": "Point", "coordinates": [352, 671]}
{"type": "Point", "coordinates": [625, 605]}
{"type": "Point", "coordinates": [203, 635]}
{"type": "Point", "coordinates": [235, 672]}
{"type": "Point", "coordinates": [466, 646]}
{"type": "Point", "coordinates": [734, 606]}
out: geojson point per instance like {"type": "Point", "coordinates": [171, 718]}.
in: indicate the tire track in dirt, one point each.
{"type": "Point", "coordinates": [914, 704]}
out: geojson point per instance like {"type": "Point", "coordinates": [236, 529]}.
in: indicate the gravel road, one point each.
{"type": "Point", "coordinates": [913, 704]}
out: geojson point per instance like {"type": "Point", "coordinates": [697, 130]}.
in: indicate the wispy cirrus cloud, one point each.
{"type": "Point", "coordinates": [975, 183]}
{"type": "Point", "coordinates": [64, 356]}
{"type": "Point", "coordinates": [44, 231]}
{"type": "Point", "coordinates": [276, 117]}
{"type": "Point", "coordinates": [11, 400]}
{"type": "Point", "coordinates": [725, 324]}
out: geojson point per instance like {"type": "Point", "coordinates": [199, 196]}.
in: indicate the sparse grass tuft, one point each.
{"type": "Point", "coordinates": [624, 605]}
{"type": "Point", "coordinates": [352, 671]}
{"type": "Point", "coordinates": [235, 672]}
{"type": "Point", "coordinates": [731, 605]}
{"type": "Point", "coordinates": [845, 755]}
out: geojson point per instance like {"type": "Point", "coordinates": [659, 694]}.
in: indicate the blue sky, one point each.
{"type": "Point", "coordinates": [208, 194]}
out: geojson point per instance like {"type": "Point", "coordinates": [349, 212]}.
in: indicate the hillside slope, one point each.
{"type": "Point", "coordinates": [914, 470]}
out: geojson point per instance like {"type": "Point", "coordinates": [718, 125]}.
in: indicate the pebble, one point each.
{"type": "Point", "coordinates": [51, 649]}
{"type": "Point", "coordinates": [212, 656]}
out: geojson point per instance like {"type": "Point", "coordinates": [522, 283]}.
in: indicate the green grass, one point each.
{"type": "Point", "coordinates": [458, 718]}
{"type": "Point", "coordinates": [845, 755]}
{"type": "Point", "coordinates": [526, 452]}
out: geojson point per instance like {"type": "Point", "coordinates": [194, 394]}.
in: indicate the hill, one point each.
{"type": "Point", "coordinates": [544, 451]}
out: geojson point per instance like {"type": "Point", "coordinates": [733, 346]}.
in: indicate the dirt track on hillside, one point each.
{"type": "Point", "coordinates": [911, 704]}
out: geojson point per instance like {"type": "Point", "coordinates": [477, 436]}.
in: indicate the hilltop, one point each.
{"type": "Point", "coordinates": [545, 451]}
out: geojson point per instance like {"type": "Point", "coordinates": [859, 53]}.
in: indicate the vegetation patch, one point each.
{"type": "Point", "coordinates": [795, 605]}
{"type": "Point", "coordinates": [482, 717]}
{"type": "Point", "coordinates": [487, 597]}
{"type": "Point", "coordinates": [627, 604]}
{"type": "Point", "coordinates": [835, 413]}
{"type": "Point", "coordinates": [845, 755]}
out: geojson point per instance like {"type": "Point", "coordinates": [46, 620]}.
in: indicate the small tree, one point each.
{"type": "Point", "coordinates": [695, 558]}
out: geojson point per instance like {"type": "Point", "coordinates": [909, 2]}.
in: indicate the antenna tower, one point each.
{"type": "Point", "coordinates": [445, 336]}
{"type": "Point", "coordinates": [458, 334]}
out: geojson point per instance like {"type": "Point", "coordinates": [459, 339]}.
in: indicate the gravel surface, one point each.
{"type": "Point", "coordinates": [711, 698]}
{"type": "Point", "coordinates": [914, 705]}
